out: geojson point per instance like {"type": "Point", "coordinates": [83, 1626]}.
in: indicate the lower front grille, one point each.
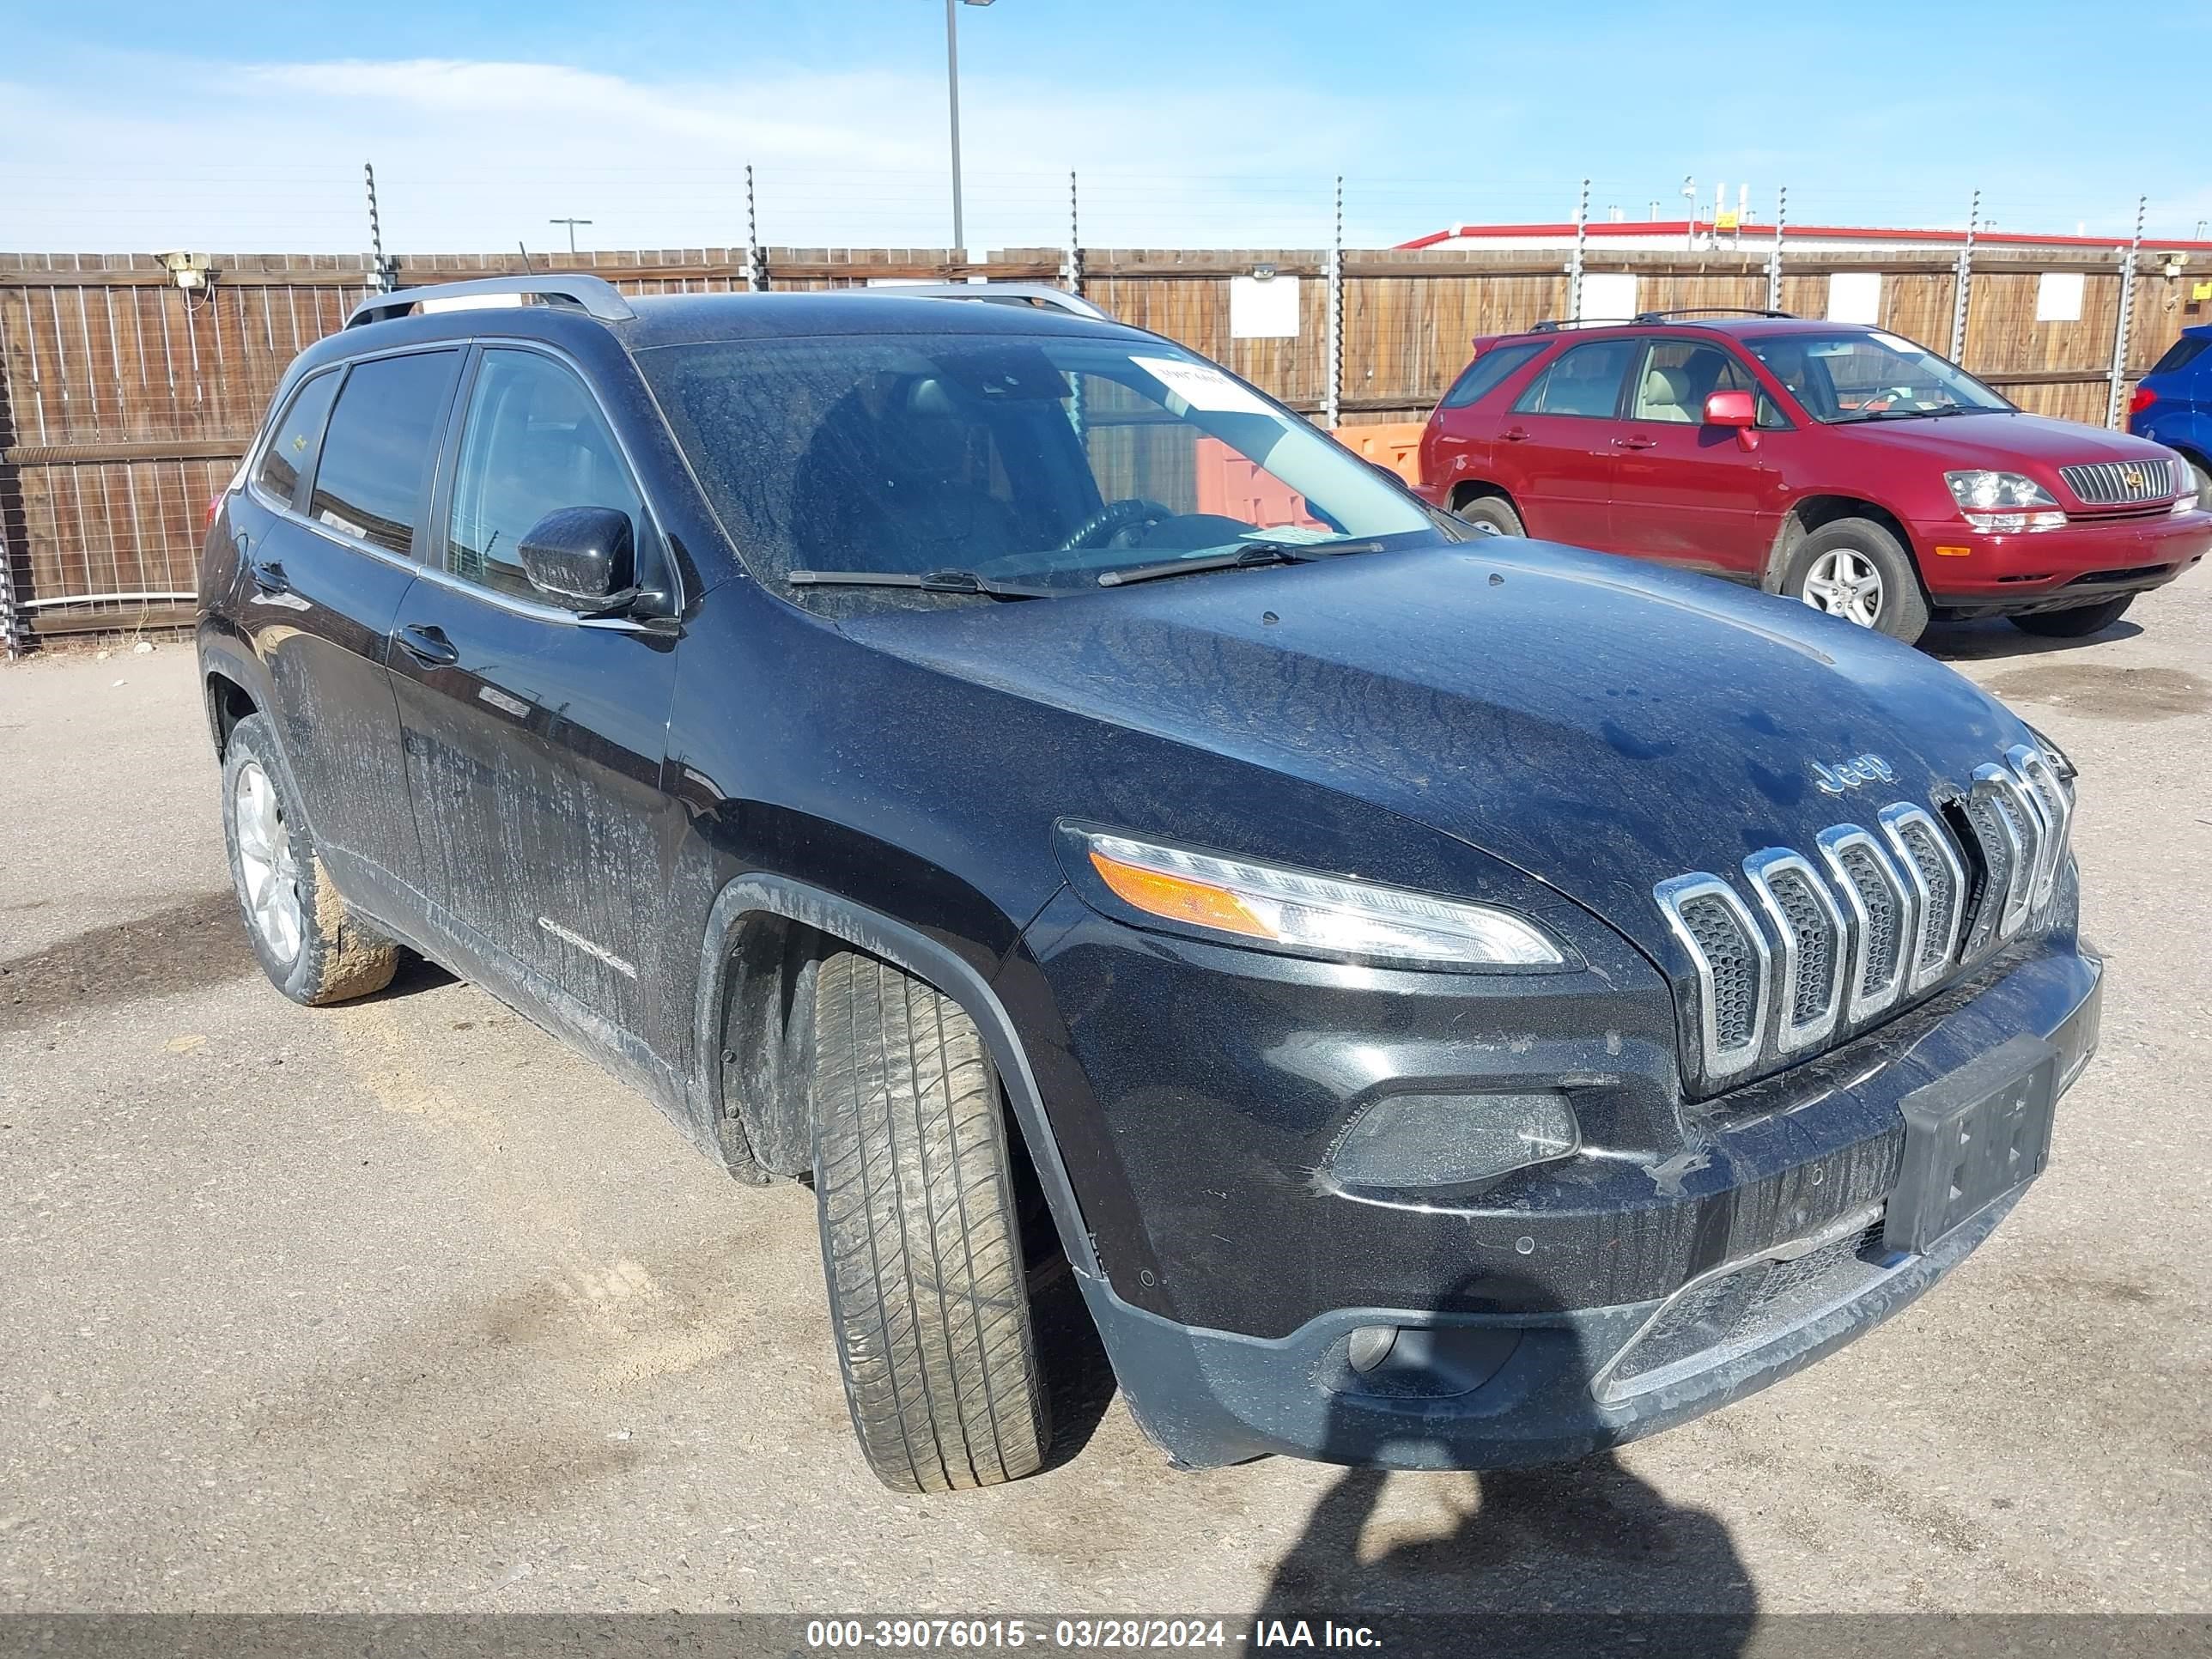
{"type": "Point", "coordinates": [1743, 1307]}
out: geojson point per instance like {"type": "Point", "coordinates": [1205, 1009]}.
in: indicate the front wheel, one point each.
{"type": "Point", "coordinates": [2077, 624]}
{"type": "Point", "coordinates": [921, 1237]}
{"type": "Point", "coordinates": [1855, 569]}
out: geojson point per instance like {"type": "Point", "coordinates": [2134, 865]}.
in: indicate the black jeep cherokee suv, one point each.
{"type": "Point", "coordinates": [1453, 1002]}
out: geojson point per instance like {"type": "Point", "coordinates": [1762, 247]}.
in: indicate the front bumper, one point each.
{"type": "Point", "coordinates": [1514, 1307]}
{"type": "Point", "coordinates": [2095, 557]}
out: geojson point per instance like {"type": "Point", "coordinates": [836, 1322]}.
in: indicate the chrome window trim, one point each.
{"type": "Point", "coordinates": [1992, 781]}
{"type": "Point", "coordinates": [1671, 894]}
{"type": "Point", "coordinates": [485, 343]}
{"type": "Point", "coordinates": [1894, 820]}
{"type": "Point", "coordinates": [2048, 791]}
{"type": "Point", "coordinates": [1834, 841]}
{"type": "Point", "coordinates": [1759, 869]}
{"type": "Point", "coordinates": [536, 610]}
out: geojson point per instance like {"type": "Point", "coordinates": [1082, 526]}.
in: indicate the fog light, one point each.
{"type": "Point", "coordinates": [1369, 1345]}
{"type": "Point", "coordinates": [1451, 1140]}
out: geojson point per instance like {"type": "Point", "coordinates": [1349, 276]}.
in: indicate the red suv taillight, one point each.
{"type": "Point", "coordinates": [2143, 399]}
{"type": "Point", "coordinates": [215, 506]}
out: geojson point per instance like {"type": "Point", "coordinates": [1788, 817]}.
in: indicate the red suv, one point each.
{"type": "Point", "coordinates": [1831, 462]}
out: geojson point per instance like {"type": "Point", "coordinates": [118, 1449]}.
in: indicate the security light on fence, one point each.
{"type": "Point", "coordinates": [188, 270]}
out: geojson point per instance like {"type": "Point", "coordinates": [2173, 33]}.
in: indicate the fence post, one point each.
{"type": "Point", "coordinates": [2126, 322]}
{"type": "Point", "coordinates": [1333, 401]}
{"type": "Point", "coordinates": [1963, 284]}
{"type": "Point", "coordinates": [756, 259]}
{"type": "Point", "coordinates": [1774, 253]}
{"type": "Point", "coordinates": [7, 599]}
{"type": "Point", "coordinates": [1575, 265]}
{"type": "Point", "coordinates": [385, 283]}
{"type": "Point", "coordinates": [1071, 270]}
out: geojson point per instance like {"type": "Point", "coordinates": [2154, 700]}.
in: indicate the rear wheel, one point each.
{"type": "Point", "coordinates": [2077, 624]}
{"type": "Point", "coordinates": [315, 947]}
{"type": "Point", "coordinates": [1492, 514]}
{"type": "Point", "coordinates": [921, 1234]}
{"type": "Point", "coordinates": [1855, 569]}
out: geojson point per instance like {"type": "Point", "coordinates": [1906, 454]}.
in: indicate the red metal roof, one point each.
{"type": "Point", "coordinates": [1757, 232]}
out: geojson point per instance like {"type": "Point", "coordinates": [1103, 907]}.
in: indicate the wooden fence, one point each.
{"type": "Point", "coordinates": [125, 402]}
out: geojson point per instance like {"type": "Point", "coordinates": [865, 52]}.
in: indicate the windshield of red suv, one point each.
{"type": "Point", "coordinates": [1864, 374]}
{"type": "Point", "coordinates": [1035, 463]}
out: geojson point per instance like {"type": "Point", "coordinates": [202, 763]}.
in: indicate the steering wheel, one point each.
{"type": "Point", "coordinates": [1106, 527]}
{"type": "Point", "coordinates": [1886, 396]}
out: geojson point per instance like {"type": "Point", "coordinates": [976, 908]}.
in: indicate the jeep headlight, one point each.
{"type": "Point", "coordinates": [1244, 901]}
{"type": "Point", "coordinates": [2003, 503]}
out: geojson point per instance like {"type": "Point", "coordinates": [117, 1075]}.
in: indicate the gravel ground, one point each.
{"type": "Point", "coordinates": [402, 1306]}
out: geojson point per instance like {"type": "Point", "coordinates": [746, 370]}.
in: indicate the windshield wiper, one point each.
{"type": "Point", "coordinates": [929, 581]}
{"type": "Point", "coordinates": [1934, 414]}
{"type": "Point", "coordinates": [1245, 556]}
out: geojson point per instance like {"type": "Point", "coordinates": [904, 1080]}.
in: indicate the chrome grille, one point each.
{"type": "Point", "coordinates": [2117, 483]}
{"type": "Point", "coordinates": [1877, 911]}
{"type": "Point", "coordinates": [1810, 930]}
{"type": "Point", "coordinates": [1887, 914]}
{"type": "Point", "coordinates": [1735, 982]}
{"type": "Point", "coordinates": [2048, 794]}
{"type": "Point", "coordinates": [2010, 832]}
{"type": "Point", "coordinates": [1730, 959]}
{"type": "Point", "coordinates": [1925, 858]}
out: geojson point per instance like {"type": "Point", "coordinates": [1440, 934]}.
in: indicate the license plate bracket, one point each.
{"type": "Point", "coordinates": [1972, 1137]}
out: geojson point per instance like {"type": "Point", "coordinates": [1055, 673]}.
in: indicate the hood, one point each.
{"type": "Point", "coordinates": [2000, 440]}
{"type": "Point", "coordinates": [1600, 724]}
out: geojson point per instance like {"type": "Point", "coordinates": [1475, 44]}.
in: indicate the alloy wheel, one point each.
{"type": "Point", "coordinates": [265, 861]}
{"type": "Point", "coordinates": [1844, 582]}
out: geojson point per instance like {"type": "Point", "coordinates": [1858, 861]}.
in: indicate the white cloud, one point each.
{"type": "Point", "coordinates": [473, 156]}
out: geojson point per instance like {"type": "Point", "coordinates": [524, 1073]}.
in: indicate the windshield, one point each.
{"type": "Point", "coordinates": [1033, 463]}
{"type": "Point", "coordinates": [1866, 375]}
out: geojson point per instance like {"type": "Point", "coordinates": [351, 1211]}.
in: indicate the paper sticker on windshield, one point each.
{"type": "Point", "coordinates": [1894, 343]}
{"type": "Point", "coordinates": [1201, 386]}
{"type": "Point", "coordinates": [1296, 534]}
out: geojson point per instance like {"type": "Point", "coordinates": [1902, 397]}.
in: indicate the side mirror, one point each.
{"type": "Point", "coordinates": [585, 556]}
{"type": "Point", "coordinates": [1736, 409]}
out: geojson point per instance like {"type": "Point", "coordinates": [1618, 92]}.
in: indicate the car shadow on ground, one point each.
{"type": "Point", "coordinates": [416, 975]}
{"type": "Point", "coordinates": [1993, 639]}
{"type": "Point", "coordinates": [1534, 1561]}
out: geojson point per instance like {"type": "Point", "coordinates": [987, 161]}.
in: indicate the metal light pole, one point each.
{"type": "Point", "coordinates": [953, 94]}
{"type": "Point", "coordinates": [572, 224]}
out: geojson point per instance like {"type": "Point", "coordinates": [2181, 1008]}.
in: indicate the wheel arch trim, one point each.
{"type": "Point", "coordinates": [906, 948]}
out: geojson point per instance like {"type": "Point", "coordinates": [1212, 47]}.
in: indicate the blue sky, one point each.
{"type": "Point", "coordinates": [144, 126]}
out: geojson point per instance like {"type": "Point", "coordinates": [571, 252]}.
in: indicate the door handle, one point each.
{"type": "Point", "coordinates": [1514, 435]}
{"type": "Point", "coordinates": [1635, 443]}
{"type": "Point", "coordinates": [429, 645]}
{"type": "Point", "coordinates": [269, 576]}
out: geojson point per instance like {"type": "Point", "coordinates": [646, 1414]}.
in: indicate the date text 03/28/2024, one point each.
{"type": "Point", "coordinates": [1082, 1633]}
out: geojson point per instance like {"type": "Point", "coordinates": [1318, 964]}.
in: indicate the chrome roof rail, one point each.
{"type": "Point", "coordinates": [1040, 296]}
{"type": "Point", "coordinates": [594, 295]}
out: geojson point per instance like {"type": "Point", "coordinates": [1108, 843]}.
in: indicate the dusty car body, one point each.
{"type": "Point", "coordinates": [1450, 1000]}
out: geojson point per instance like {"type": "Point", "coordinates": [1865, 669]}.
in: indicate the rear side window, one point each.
{"type": "Point", "coordinates": [1583, 380]}
{"type": "Point", "coordinates": [1485, 371]}
{"type": "Point", "coordinates": [534, 444]}
{"type": "Point", "coordinates": [293, 441]}
{"type": "Point", "coordinates": [2182, 353]}
{"type": "Point", "coordinates": [377, 451]}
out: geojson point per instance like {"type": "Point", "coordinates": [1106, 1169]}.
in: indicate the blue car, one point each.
{"type": "Point", "coordinates": [2174, 403]}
